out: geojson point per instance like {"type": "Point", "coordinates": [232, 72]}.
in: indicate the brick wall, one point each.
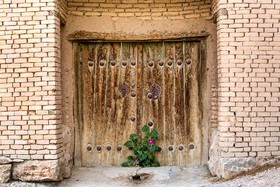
{"type": "Point", "coordinates": [214, 7]}
{"type": "Point", "coordinates": [62, 10]}
{"type": "Point", "coordinates": [30, 91]}
{"type": "Point", "coordinates": [144, 9]}
{"type": "Point", "coordinates": [248, 78]}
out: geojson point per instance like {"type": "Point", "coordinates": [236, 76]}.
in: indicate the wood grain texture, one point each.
{"type": "Point", "coordinates": [122, 86]}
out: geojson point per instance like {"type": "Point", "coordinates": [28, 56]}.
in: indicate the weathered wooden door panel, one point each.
{"type": "Point", "coordinates": [125, 85]}
{"type": "Point", "coordinates": [152, 71]}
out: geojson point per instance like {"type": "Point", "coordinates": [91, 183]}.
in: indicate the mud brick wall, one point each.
{"type": "Point", "coordinates": [144, 9]}
{"type": "Point", "coordinates": [214, 7]}
{"type": "Point", "coordinates": [248, 78]}
{"type": "Point", "coordinates": [30, 88]}
{"type": "Point", "coordinates": [62, 9]}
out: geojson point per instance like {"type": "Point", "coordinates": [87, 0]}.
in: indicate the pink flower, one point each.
{"type": "Point", "coordinates": [136, 160]}
{"type": "Point", "coordinates": [151, 141]}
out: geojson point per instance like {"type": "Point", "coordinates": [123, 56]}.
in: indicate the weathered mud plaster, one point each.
{"type": "Point", "coordinates": [214, 153]}
{"type": "Point", "coordinates": [122, 36]}
{"type": "Point", "coordinates": [128, 29]}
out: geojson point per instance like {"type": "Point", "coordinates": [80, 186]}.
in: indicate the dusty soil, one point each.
{"type": "Point", "coordinates": [261, 178]}
{"type": "Point", "coordinates": [158, 177]}
{"type": "Point", "coordinates": [170, 176]}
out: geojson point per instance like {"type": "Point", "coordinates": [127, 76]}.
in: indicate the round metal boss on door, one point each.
{"type": "Point", "coordinates": [160, 63]}
{"type": "Point", "coordinates": [169, 62]}
{"type": "Point", "coordinates": [179, 62]}
{"type": "Point", "coordinates": [150, 96]}
{"type": "Point", "coordinates": [133, 62]}
{"type": "Point", "coordinates": [150, 123]}
{"type": "Point", "coordinates": [124, 63]}
{"type": "Point", "coordinates": [102, 63]}
{"type": "Point", "coordinates": [113, 63]}
{"type": "Point", "coordinates": [90, 63]}
{"type": "Point", "coordinates": [170, 148]}
{"type": "Point", "coordinates": [119, 148]}
{"type": "Point", "coordinates": [98, 148]}
{"type": "Point", "coordinates": [89, 147]}
{"type": "Point", "coordinates": [188, 61]}
{"type": "Point", "coordinates": [108, 148]}
{"type": "Point", "coordinates": [191, 146]}
{"type": "Point", "coordinates": [132, 118]}
{"type": "Point", "coordinates": [133, 94]}
{"type": "Point", "coordinates": [181, 147]}
{"type": "Point", "coordinates": [159, 149]}
{"type": "Point", "coordinates": [151, 63]}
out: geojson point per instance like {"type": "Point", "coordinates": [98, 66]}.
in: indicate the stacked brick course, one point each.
{"type": "Point", "coordinates": [62, 9]}
{"type": "Point", "coordinates": [144, 9]}
{"type": "Point", "coordinates": [248, 78]}
{"type": "Point", "coordinates": [30, 93]}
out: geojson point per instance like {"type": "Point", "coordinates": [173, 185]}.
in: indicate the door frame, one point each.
{"type": "Point", "coordinates": [78, 108]}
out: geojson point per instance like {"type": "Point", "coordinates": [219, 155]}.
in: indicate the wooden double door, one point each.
{"type": "Point", "coordinates": [123, 85]}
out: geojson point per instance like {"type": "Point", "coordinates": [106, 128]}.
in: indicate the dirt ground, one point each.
{"type": "Point", "coordinates": [157, 177]}
{"type": "Point", "coordinates": [267, 178]}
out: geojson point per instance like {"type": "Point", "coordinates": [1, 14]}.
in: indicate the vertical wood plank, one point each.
{"type": "Point", "coordinates": [169, 104]}
{"type": "Point", "coordinates": [188, 79]}
{"type": "Point", "coordinates": [179, 113]}
{"type": "Point", "coordinates": [87, 99]}
{"type": "Point", "coordinates": [114, 60]}
{"type": "Point", "coordinates": [132, 111]}
{"type": "Point", "coordinates": [100, 83]}
{"type": "Point", "coordinates": [78, 108]}
{"type": "Point", "coordinates": [161, 125]}
{"type": "Point", "coordinates": [155, 88]}
{"type": "Point", "coordinates": [193, 99]}
{"type": "Point", "coordinates": [147, 81]}
{"type": "Point", "coordinates": [124, 127]}
{"type": "Point", "coordinates": [139, 89]}
{"type": "Point", "coordinates": [107, 152]}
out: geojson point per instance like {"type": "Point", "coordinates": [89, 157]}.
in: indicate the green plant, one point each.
{"type": "Point", "coordinates": [144, 149]}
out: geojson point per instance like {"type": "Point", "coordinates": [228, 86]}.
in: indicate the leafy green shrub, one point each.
{"type": "Point", "coordinates": [144, 149]}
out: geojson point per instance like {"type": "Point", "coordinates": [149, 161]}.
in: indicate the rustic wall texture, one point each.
{"type": "Point", "coordinates": [36, 110]}
{"type": "Point", "coordinates": [143, 9]}
{"type": "Point", "coordinates": [248, 82]}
